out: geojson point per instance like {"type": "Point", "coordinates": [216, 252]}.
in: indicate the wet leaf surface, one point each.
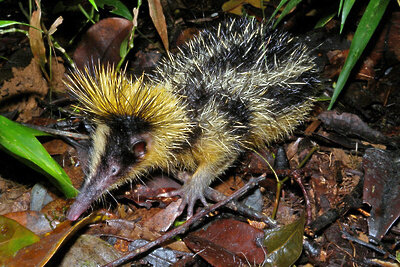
{"type": "Point", "coordinates": [284, 244]}
{"type": "Point", "coordinates": [164, 219]}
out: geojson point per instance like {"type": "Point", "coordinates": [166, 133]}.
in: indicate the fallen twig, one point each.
{"type": "Point", "coordinates": [297, 177]}
{"type": "Point", "coordinates": [56, 132]}
{"type": "Point", "coordinates": [349, 237]}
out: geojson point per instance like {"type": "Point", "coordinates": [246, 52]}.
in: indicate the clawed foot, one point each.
{"type": "Point", "coordinates": [189, 196]}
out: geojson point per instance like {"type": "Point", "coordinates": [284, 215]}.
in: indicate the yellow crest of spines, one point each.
{"type": "Point", "coordinates": [105, 93]}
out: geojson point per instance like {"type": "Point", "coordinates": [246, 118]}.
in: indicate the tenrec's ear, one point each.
{"type": "Point", "coordinates": [139, 149]}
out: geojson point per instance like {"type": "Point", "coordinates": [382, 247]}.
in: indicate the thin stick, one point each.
{"type": "Point", "coordinates": [349, 237]}
{"type": "Point", "coordinates": [56, 132]}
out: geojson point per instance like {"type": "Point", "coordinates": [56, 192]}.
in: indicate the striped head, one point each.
{"type": "Point", "coordinates": [138, 128]}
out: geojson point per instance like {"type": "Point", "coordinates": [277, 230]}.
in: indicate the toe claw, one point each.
{"type": "Point", "coordinates": [203, 200]}
{"type": "Point", "coordinates": [190, 210]}
{"type": "Point", "coordinates": [182, 206]}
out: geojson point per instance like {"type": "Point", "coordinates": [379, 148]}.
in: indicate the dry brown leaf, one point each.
{"type": "Point", "coordinates": [36, 40]}
{"type": "Point", "coordinates": [41, 252]}
{"type": "Point", "coordinates": [157, 16]}
{"type": "Point", "coordinates": [102, 42]}
{"type": "Point", "coordinates": [56, 23]}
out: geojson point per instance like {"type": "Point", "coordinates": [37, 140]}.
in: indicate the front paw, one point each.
{"type": "Point", "coordinates": [189, 195]}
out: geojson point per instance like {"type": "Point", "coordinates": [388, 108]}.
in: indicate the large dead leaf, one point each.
{"type": "Point", "coordinates": [102, 42]}
{"type": "Point", "coordinates": [214, 254]}
{"type": "Point", "coordinates": [351, 124]}
{"type": "Point", "coordinates": [228, 243]}
{"type": "Point", "coordinates": [381, 190]}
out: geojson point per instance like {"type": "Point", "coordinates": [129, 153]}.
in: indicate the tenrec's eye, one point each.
{"type": "Point", "coordinates": [139, 149]}
{"type": "Point", "coordinates": [114, 170]}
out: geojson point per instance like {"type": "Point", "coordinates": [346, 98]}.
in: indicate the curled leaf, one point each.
{"type": "Point", "coordinates": [55, 24]}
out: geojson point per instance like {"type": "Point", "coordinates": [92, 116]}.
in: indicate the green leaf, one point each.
{"type": "Point", "coordinates": [118, 8]}
{"type": "Point", "coordinates": [88, 16]}
{"type": "Point", "coordinates": [6, 23]}
{"type": "Point", "coordinates": [368, 23]}
{"type": "Point", "coordinates": [284, 244]}
{"type": "Point", "coordinates": [323, 21]}
{"type": "Point", "coordinates": [348, 4]}
{"type": "Point", "coordinates": [94, 4]}
{"type": "Point", "coordinates": [340, 7]}
{"type": "Point", "coordinates": [123, 50]}
{"type": "Point", "coordinates": [286, 10]}
{"type": "Point", "coordinates": [13, 237]}
{"type": "Point", "coordinates": [281, 3]}
{"type": "Point", "coordinates": [20, 142]}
